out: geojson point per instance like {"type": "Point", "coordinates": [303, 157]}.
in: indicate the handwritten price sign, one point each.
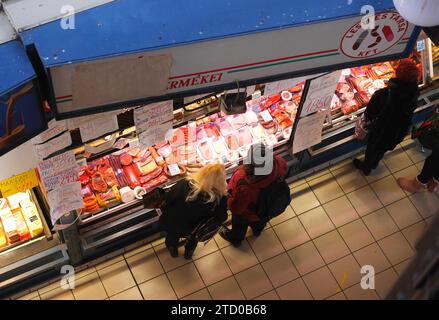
{"type": "Point", "coordinates": [19, 183]}
{"type": "Point", "coordinates": [59, 170]}
{"type": "Point", "coordinates": [152, 115]}
{"type": "Point", "coordinates": [321, 92]}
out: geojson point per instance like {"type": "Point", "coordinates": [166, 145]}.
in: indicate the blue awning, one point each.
{"type": "Point", "coordinates": [128, 26]}
{"type": "Point", "coordinates": [15, 67]}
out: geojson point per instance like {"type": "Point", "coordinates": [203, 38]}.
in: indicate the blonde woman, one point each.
{"type": "Point", "coordinates": [192, 201]}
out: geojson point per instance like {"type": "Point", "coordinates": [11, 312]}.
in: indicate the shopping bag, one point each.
{"type": "Point", "coordinates": [361, 127]}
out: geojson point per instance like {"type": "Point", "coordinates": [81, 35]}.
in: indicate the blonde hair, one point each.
{"type": "Point", "coordinates": [209, 180]}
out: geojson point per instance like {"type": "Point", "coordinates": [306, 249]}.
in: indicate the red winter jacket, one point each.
{"type": "Point", "coordinates": [244, 197]}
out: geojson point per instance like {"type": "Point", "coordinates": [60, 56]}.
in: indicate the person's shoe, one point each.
{"type": "Point", "coordinates": [432, 185]}
{"type": "Point", "coordinates": [360, 166]}
{"type": "Point", "coordinates": [225, 234]}
{"type": "Point", "coordinates": [188, 253]}
{"type": "Point", "coordinates": [410, 185]}
{"type": "Point", "coordinates": [173, 251]}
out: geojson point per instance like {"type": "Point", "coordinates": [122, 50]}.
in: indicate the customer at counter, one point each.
{"type": "Point", "coordinates": [192, 201]}
{"type": "Point", "coordinates": [245, 188]}
{"type": "Point", "coordinates": [389, 114]}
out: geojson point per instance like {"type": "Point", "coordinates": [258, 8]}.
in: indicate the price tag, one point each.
{"type": "Point", "coordinates": [159, 159]}
{"type": "Point", "coordinates": [266, 116]}
{"type": "Point", "coordinates": [174, 169]}
{"type": "Point", "coordinates": [420, 45]}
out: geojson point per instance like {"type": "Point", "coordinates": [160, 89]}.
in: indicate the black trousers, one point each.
{"type": "Point", "coordinates": [374, 154]}
{"type": "Point", "coordinates": [173, 239]}
{"type": "Point", "coordinates": [240, 226]}
{"type": "Point", "coordinates": [430, 169]}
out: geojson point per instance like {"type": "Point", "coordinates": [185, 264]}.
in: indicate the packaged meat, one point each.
{"type": "Point", "coordinates": [154, 183]}
{"type": "Point", "coordinates": [86, 191]}
{"type": "Point", "coordinates": [125, 159]}
{"type": "Point", "coordinates": [98, 182]}
{"type": "Point", "coordinates": [237, 121]}
{"type": "Point", "coordinates": [286, 96]}
{"type": "Point", "coordinates": [251, 117]}
{"type": "Point", "coordinates": [3, 240]}
{"type": "Point", "coordinates": [109, 176]}
{"type": "Point", "coordinates": [9, 225]}
{"type": "Point", "coordinates": [219, 147]}
{"type": "Point", "coordinates": [206, 151]}
{"type": "Point", "coordinates": [158, 159]}
{"type": "Point", "coordinates": [244, 137]}
{"type": "Point", "coordinates": [232, 142]}
{"type": "Point", "coordinates": [147, 167]}
{"type": "Point", "coordinates": [211, 130]}
{"type": "Point", "coordinates": [32, 218]}
{"type": "Point", "coordinates": [22, 228]}
{"type": "Point", "coordinates": [225, 128]}
{"type": "Point", "coordinates": [127, 195]}
{"type": "Point", "coordinates": [133, 152]}
{"type": "Point", "coordinates": [165, 150]}
{"type": "Point", "coordinates": [270, 140]}
{"type": "Point", "coordinates": [131, 176]}
{"type": "Point", "coordinates": [91, 204]}
{"type": "Point", "coordinates": [152, 175]}
{"type": "Point", "coordinates": [111, 195]}
{"type": "Point", "coordinates": [258, 132]}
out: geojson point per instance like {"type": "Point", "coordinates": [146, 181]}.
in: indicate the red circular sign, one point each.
{"type": "Point", "coordinates": [387, 31]}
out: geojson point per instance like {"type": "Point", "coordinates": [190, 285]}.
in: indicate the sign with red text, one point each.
{"type": "Point", "coordinates": [321, 92]}
{"type": "Point", "coordinates": [64, 199]}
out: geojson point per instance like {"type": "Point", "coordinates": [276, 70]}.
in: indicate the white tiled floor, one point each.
{"type": "Point", "coordinates": [338, 222]}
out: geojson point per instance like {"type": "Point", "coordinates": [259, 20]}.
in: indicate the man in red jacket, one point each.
{"type": "Point", "coordinates": [244, 190]}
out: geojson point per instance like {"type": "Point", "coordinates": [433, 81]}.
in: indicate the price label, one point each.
{"type": "Point", "coordinates": [174, 169]}
{"type": "Point", "coordinates": [266, 116]}
{"type": "Point", "coordinates": [159, 159]}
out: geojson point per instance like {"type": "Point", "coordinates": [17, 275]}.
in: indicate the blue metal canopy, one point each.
{"type": "Point", "coordinates": [15, 67]}
{"type": "Point", "coordinates": [127, 26]}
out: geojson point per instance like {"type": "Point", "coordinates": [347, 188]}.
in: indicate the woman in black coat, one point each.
{"type": "Point", "coordinates": [390, 111]}
{"type": "Point", "coordinates": [192, 201]}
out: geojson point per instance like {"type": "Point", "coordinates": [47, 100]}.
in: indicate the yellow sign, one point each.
{"type": "Point", "coordinates": [19, 183]}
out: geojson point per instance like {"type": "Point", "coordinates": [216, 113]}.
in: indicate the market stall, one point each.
{"type": "Point", "coordinates": [28, 247]}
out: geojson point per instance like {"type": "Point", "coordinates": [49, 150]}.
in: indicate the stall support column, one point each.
{"type": "Point", "coordinates": [71, 238]}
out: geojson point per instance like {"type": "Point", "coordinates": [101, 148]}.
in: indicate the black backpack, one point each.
{"type": "Point", "coordinates": [428, 133]}
{"type": "Point", "coordinates": [274, 199]}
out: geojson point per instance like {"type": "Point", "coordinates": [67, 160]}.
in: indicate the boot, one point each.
{"type": "Point", "coordinates": [173, 251]}
{"type": "Point", "coordinates": [432, 185]}
{"type": "Point", "coordinates": [410, 185]}
{"type": "Point", "coordinates": [361, 166]}
{"type": "Point", "coordinates": [226, 235]}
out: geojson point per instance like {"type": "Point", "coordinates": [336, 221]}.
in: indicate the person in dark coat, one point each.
{"type": "Point", "coordinates": [192, 201]}
{"type": "Point", "coordinates": [245, 187]}
{"type": "Point", "coordinates": [390, 111]}
{"type": "Point", "coordinates": [429, 176]}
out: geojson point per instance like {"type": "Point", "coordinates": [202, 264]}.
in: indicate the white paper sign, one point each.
{"type": "Point", "coordinates": [266, 116]}
{"type": "Point", "coordinates": [154, 136]}
{"type": "Point", "coordinates": [321, 93]}
{"type": "Point", "coordinates": [308, 132]}
{"type": "Point", "coordinates": [44, 150]}
{"type": "Point", "coordinates": [59, 170]}
{"type": "Point", "coordinates": [65, 199]}
{"type": "Point", "coordinates": [55, 128]}
{"type": "Point", "coordinates": [174, 169]}
{"type": "Point", "coordinates": [151, 115]}
{"type": "Point", "coordinates": [98, 127]}
{"type": "Point", "coordinates": [279, 86]}
{"type": "Point", "coordinates": [75, 123]}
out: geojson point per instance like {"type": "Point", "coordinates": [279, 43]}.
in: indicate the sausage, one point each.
{"type": "Point", "coordinates": [154, 174]}
{"type": "Point", "coordinates": [155, 182]}
{"type": "Point", "coordinates": [158, 159]}
{"type": "Point", "coordinates": [131, 176]}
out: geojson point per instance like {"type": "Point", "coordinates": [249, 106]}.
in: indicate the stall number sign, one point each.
{"type": "Point", "coordinates": [390, 28]}
{"type": "Point", "coordinates": [19, 183]}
